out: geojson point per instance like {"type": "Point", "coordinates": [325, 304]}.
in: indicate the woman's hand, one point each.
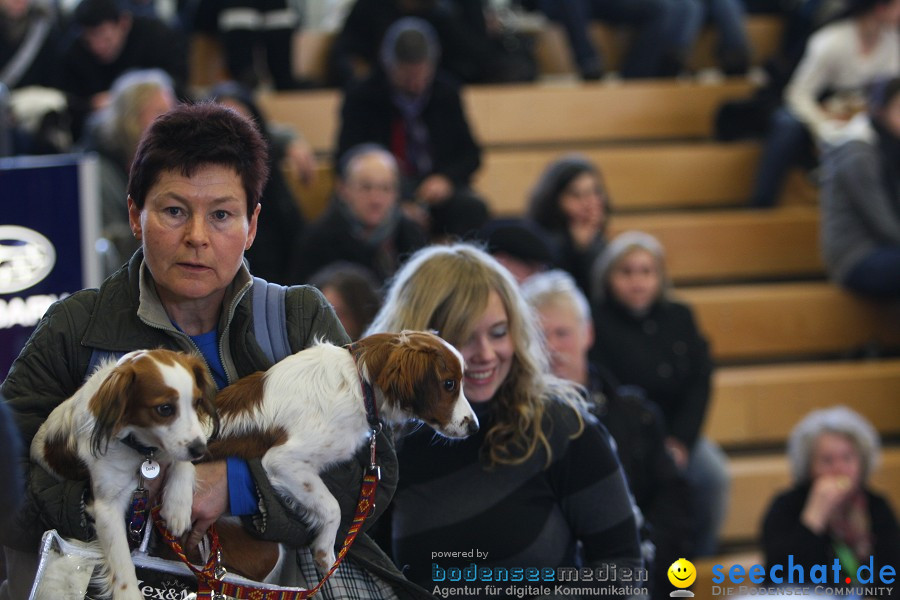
{"type": "Point", "coordinates": [586, 225]}
{"type": "Point", "coordinates": [434, 189]}
{"type": "Point", "coordinates": [826, 495]}
{"type": "Point", "coordinates": [301, 159]}
{"type": "Point", "coordinates": [210, 499]}
{"type": "Point", "coordinates": [583, 233]}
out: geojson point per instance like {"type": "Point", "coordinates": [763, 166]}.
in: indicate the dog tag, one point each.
{"type": "Point", "coordinates": [150, 469]}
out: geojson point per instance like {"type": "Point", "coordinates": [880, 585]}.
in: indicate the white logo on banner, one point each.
{"type": "Point", "coordinates": [26, 258]}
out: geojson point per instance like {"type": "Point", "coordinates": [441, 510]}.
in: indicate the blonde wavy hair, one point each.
{"type": "Point", "coordinates": [446, 289]}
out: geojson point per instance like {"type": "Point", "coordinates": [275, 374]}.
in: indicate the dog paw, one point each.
{"type": "Point", "coordinates": [178, 520]}
{"type": "Point", "coordinates": [124, 589]}
{"type": "Point", "coordinates": [324, 558]}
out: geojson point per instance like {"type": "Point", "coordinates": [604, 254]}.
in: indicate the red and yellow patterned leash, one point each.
{"type": "Point", "coordinates": [210, 576]}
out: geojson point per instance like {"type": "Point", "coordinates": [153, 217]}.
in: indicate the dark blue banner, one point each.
{"type": "Point", "coordinates": [49, 225]}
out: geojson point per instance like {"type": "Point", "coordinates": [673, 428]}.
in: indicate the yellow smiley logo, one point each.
{"type": "Point", "coordinates": [682, 573]}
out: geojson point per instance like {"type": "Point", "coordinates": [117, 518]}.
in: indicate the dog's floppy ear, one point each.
{"type": "Point", "coordinates": [108, 405]}
{"type": "Point", "coordinates": [374, 353]}
{"type": "Point", "coordinates": [412, 371]}
{"type": "Point", "coordinates": [208, 391]}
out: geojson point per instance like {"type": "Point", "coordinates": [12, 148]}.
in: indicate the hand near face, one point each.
{"type": "Point", "coordinates": [301, 160]}
{"type": "Point", "coordinates": [583, 204]}
{"type": "Point", "coordinates": [826, 496]}
{"type": "Point", "coordinates": [417, 213]}
{"type": "Point", "coordinates": [584, 232]}
{"type": "Point", "coordinates": [836, 472]}
{"type": "Point", "coordinates": [434, 189]}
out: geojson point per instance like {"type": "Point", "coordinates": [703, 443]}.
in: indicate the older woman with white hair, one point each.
{"type": "Point", "coordinates": [830, 512]}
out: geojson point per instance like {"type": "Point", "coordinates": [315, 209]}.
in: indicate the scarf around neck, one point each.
{"type": "Point", "coordinates": [418, 140]}
{"type": "Point", "coordinates": [852, 527]}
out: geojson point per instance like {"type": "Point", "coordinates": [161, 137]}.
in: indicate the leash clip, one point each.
{"type": "Point", "coordinates": [373, 464]}
{"type": "Point", "coordinates": [220, 570]}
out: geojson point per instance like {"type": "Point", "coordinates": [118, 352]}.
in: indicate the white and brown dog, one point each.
{"type": "Point", "coordinates": [151, 408]}
{"type": "Point", "coordinates": [308, 412]}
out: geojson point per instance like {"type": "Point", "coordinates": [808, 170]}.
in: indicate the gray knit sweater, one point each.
{"type": "Point", "coordinates": [859, 211]}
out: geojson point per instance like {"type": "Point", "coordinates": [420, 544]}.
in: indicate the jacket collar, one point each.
{"type": "Point", "coordinates": [116, 326]}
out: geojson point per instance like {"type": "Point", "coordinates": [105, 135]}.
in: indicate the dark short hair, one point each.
{"type": "Point", "coordinates": [411, 47]}
{"type": "Point", "coordinates": [192, 136]}
{"type": "Point", "coordinates": [520, 238]}
{"type": "Point", "coordinates": [356, 284]}
{"type": "Point", "coordinates": [91, 13]}
{"type": "Point", "coordinates": [409, 40]}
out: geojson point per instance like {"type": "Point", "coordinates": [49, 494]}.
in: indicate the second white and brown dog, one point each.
{"type": "Point", "coordinates": [307, 412]}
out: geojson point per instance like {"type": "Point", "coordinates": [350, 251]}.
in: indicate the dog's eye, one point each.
{"type": "Point", "coordinates": [450, 385]}
{"type": "Point", "coordinates": [165, 410]}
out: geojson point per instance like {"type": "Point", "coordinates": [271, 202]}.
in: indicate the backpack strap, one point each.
{"type": "Point", "coordinates": [269, 326]}
{"type": "Point", "coordinates": [269, 319]}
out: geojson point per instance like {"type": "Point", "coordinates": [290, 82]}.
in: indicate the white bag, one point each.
{"type": "Point", "coordinates": [67, 566]}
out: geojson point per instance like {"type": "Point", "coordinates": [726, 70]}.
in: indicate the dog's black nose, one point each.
{"type": "Point", "coordinates": [197, 449]}
{"type": "Point", "coordinates": [471, 427]}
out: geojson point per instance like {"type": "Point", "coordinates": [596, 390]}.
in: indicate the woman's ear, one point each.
{"type": "Point", "coordinates": [134, 219]}
{"type": "Point", "coordinates": [254, 221]}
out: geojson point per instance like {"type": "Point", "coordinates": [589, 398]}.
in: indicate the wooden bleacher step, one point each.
{"type": "Point", "coordinates": [756, 481]}
{"type": "Point", "coordinates": [779, 321]}
{"type": "Point", "coordinates": [516, 114]}
{"type": "Point", "coordinates": [759, 405]}
{"type": "Point", "coordinates": [555, 58]}
{"type": "Point", "coordinates": [685, 175]}
{"type": "Point", "coordinates": [510, 115]}
{"type": "Point", "coordinates": [311, 49]}
{"type": "Point", "coordinates": [722, 245]}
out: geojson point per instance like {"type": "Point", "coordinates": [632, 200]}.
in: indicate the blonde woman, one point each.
{"type": "Point", "coordinates": [539, 484]}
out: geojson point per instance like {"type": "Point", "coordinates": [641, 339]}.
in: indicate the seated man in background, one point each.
{"type": "Point", "coordinates": [363, 224]}
{"type": "Point", "coordinates": [415, 111]}
{"type": "Point", "coordinates": [659, 489]}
